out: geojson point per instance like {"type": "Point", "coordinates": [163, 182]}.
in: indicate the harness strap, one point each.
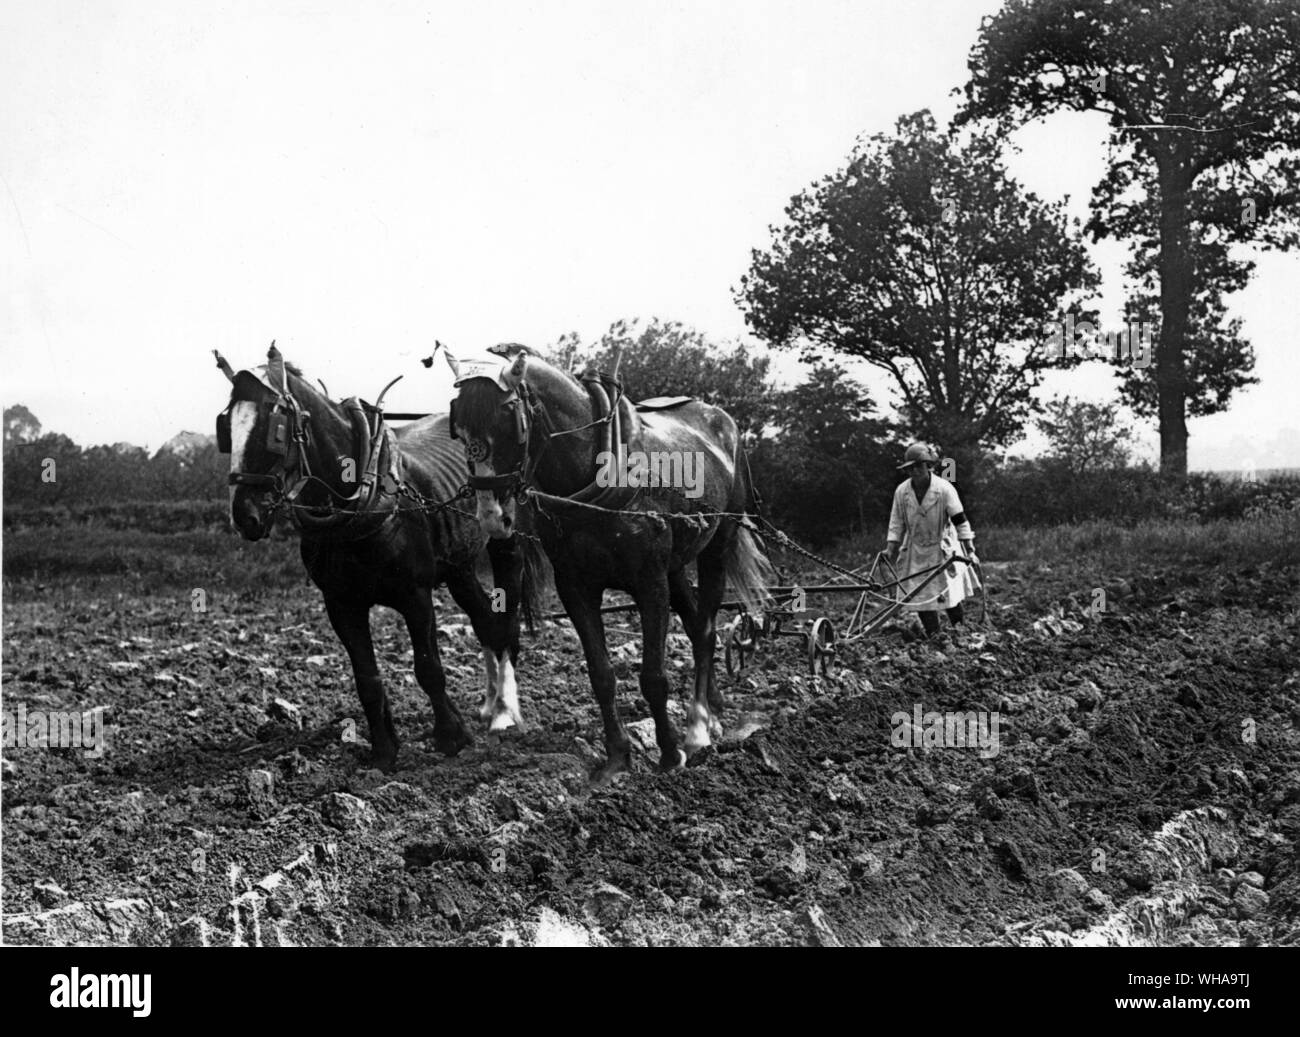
{"type": "Point", "coordinates": [607, 403]}
{"type": "Point", "coordinates": [537, 430]}
{"type": "Point", "coordinates": [371, 434]}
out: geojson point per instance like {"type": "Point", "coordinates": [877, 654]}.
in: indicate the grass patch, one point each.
{"type": "Point", "coordinates": [146, 562]}
{"type": "Point", "coordinates": [1271, 537]}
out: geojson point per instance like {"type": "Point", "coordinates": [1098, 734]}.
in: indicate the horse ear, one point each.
{"type": "Point", "coordinates": [224, 364]}
{"type": "Point", "coordinates": [514, 374]}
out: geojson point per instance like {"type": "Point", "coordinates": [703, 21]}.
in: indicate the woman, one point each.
{"type": "Point", "coordinates": [925, 526]}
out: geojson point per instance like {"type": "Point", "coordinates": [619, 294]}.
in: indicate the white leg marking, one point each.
{"type": "Point", "coordinates": [507, 705]}
{"type": "Point", "coordinates": [697, 728]}
{"type": "Point", "coordinates": [490, 695]}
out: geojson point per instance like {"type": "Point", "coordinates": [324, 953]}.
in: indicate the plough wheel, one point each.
{"type": "Point", "coordinates": [742, 637]}
{"type": "Point", "coordinates": [821, 647]}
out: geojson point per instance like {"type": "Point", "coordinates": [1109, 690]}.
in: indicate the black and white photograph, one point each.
{"type": "Point", "coordinates": [785, 473]}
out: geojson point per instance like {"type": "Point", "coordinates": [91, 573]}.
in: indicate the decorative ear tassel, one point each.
{"type": "Point", "coordinates": [224, 365]}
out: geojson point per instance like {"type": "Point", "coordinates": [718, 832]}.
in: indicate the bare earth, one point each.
{"type": "Point", "coordinates": [1126, 803]}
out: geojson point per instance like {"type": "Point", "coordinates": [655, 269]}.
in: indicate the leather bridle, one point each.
{"type": "Point", "coordinates": [529, 412]}
{"type": "Point", "coordinates": [531, 415]}
{"type": "Point", "coordinates": [289, 438]}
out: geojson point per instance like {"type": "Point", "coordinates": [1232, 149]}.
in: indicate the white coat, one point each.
{"type": "Point", "coordinates": [928, 536]}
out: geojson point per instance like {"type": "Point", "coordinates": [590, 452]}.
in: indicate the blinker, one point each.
{"type": "Point", "coordinates": [277, 432]}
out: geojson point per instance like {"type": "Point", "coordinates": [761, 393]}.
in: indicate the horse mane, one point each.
{"type": "Point", "coordinates": [289, 366]}
{"type": "Point", "coordinates": [479, 402]}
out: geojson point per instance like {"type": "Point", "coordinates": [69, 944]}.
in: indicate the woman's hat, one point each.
{"type": "Point", "coordinates": [917, 452]}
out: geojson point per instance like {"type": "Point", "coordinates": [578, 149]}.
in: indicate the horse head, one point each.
{"type": "Point", "coordinates": [263, 429]}
{"type": "Point", "coordinates": [492, 416]}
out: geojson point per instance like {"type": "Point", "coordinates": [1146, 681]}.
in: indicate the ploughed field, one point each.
{"type": "Point", "coordinates": [1145, 788]}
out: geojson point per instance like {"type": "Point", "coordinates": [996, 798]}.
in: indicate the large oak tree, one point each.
{"type": "Point", "coordinates": [1204, 106]}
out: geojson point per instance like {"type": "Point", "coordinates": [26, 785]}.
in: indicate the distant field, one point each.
{"type": "Point", "coordinates": [190, 545]}
{"type": "Point", "coordinates": [141, 561]}
{"type": "Point", "coordinates": [1257, 475]}
{"type": "Point", "coordinates": [149, 516]}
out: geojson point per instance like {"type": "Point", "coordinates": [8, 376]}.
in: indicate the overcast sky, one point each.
{"type": "Point", "coordinates": [355, 180]}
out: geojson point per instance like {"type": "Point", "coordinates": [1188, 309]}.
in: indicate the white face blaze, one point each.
{"type": "Point", "coordinates": [497, 521]}
{"type": "Point", "coordinates": [243, 416]}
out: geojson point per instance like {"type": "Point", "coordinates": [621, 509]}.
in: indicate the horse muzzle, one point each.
{"type": "Point", "coordinates": [497, 517]}
{"type": "Point", "coordinates": [251, 512]}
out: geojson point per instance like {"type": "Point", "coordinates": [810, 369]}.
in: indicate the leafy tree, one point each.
{"type": "Point", "coordinates": [1218, 361]}
{"type": "Point", "coordinates": [829, 464]}
{"type": "Point", "coordinates": [666, 358]}
{"type": "Point", "coordinates": [20, 426]}
{"type": "Point", "coordinates": [1085, 437]}
{"type": "Point", "coordinates": [928, 261]}
{"type": "Point", "coordinates": [1204, 106]}
{"type": "Point", "coordinates": [29, 479]}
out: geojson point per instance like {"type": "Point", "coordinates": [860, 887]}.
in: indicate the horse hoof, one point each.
{"type": "Point", "coordinates": [702, 756]}
{"type": "Point", "coordinates": [453, 743]}
{"type": "Point", "coordinates": [716, 702]}
{"type": "Point", "coordinates": [673, 760]}
{"type": "Point", "coordinates": [504, 720]}
{"type": "Point", "coordinates": [608, 773]}
{"type": "Point", "coordinates": [697, 740]}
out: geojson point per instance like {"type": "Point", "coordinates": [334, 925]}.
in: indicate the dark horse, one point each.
{"type": "Point", "coordinates": [361, 496]}
{"type": "Point", "coordinates": [536, 434]}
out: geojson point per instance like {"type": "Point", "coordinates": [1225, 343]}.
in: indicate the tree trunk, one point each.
{"type": "Point", "coordinates": [1175, 303]}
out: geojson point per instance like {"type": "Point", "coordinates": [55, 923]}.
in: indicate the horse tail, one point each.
{"type": "Point", "coordinates": [749, 570]}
